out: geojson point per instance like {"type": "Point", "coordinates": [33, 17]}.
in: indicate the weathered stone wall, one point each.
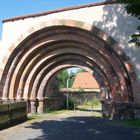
{"type": "Point", "coordinates": [54, 103]}
{"type": "Point", "coordinates": [48, 103]}
{"type": "Point", "coordinates": [12, 113]}
{"type": "Point", "coordinates": [120, 110]}
{"type": "Point", "coordinates": [80, 97]}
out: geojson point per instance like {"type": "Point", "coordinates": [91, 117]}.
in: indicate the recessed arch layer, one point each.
{"type": "Point", "coordinates": [60, 44]}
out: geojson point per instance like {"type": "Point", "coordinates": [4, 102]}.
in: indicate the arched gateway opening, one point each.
{"type": "Point", "coordinates": [42, 54]}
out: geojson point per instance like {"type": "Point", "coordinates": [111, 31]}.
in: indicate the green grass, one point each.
{"type": "Point", "coordinates": [32, 116]}
{"type": "Point", "coordinates": [132, 122]}
{"type": "Point", "coordinates": [94, 102]}
{"type": "Point", "coordinates": [56, 112]}
{"type": "Point", "coordinates": [47, 113]}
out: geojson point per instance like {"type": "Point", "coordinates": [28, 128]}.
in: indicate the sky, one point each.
{"type": "Point", "coordinates": [12, 8]}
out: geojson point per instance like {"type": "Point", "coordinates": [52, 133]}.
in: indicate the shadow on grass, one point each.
{"type": "Point", "coordinates": [132, 122]}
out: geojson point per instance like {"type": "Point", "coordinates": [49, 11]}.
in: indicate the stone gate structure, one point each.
{"type": "Point", "coordinates": [95, 36]}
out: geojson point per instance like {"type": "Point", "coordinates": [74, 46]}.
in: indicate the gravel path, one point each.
{"type": "Point", "coordinates": [72, 125]}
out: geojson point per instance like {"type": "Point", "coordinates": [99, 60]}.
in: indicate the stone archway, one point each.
{"type": "Point", "coordinates": [44, 52]}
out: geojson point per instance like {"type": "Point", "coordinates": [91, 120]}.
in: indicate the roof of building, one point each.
{"type": "Point", "coordinates": [60, 10]}
{"type": "Point", "coordinates": [85, 80]}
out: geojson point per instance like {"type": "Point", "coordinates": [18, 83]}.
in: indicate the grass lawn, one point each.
{"type": "Point", "coordinates": [132, 122]}
{"type": "Point", "coordinates": [37, 116]}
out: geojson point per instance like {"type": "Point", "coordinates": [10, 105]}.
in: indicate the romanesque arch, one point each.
{"type": "Point", "coordinates": [59, 44]}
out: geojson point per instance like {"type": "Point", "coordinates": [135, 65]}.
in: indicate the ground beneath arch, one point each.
{"type": "Point", "coordinates": [71, 125]}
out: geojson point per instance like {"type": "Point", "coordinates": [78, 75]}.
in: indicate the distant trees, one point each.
{"type": "Point", "coordinates": [133, 8]}
{"type": "Point", "coordinates": [64, 75]}
{"type": "Point", "coordinates": [62, 78]}
{"type": "Point", "coordinates": [80, 70]}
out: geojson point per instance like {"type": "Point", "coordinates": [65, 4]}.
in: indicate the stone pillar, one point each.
{"type": "Point", "coordinates": [40, 108]}
{"type": "Point", "coordinates": [114, 110]}
{"type": "Point", "coordinates": [4, 98]}
{"type": "Point", "coordinates": [28, 105]}
{"type": "Point", "coordinates": [33, 106]}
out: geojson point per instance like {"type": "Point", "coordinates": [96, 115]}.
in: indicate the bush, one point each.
{"type": "Point", "coordinates": [132, 122]}
{"type": "Point", "coordinates": [49, 110]}
{"type": "Point", "coordinates": [70, 105]}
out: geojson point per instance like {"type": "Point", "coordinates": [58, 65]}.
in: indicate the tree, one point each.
{"type": "Point", "coordinates": [62, 78]}
{"type": "Point", "coordinates": [72, 78]}
{"type": "Point", "coordinates": [133, 8]}
{"type": "Point", "coordinates": [80, 70]}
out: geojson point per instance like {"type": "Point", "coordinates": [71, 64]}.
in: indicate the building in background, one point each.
{"type": "Point", "coordinates": [84, 80]}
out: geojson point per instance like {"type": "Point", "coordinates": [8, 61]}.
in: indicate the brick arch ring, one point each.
{"type": "Point", "coordinates": [109, 56]}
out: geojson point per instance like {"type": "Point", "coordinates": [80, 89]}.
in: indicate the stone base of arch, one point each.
{"type": "Point", "coordinates": [110, 110]}
{"type": "Point", "coordinates": [119, 111]}
{"type": "Point", "coordinates": [32, 106]}
{"type": "Point", "coordinates": [44, 104]}
{"type": "Point", "coordinates": [41, 107]}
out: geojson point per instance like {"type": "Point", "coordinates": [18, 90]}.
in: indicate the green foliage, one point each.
{"type": "Point", "coordinates": [85, 102]}
{"type": "Point", "coordinates": [80, 70]}
{"type": "Point", "coordinates": [70, 105]}
{"type": "Point", "coordinates": [48, 110]}
{"type": "Point", "coordinates": [71, 80]}
{"type": "Point", "coordinates": [93, 102]}
{"type": "Point", "coordinates": [62, 78]}
{"type": "Point", "coordinates": [133, 8]}
{"type": "Point", "coordinates": [136, 38]}
{"type": "Point", "coordinates": [31, 117]}
{"type": "Point", "coordinates": [132, 122]}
